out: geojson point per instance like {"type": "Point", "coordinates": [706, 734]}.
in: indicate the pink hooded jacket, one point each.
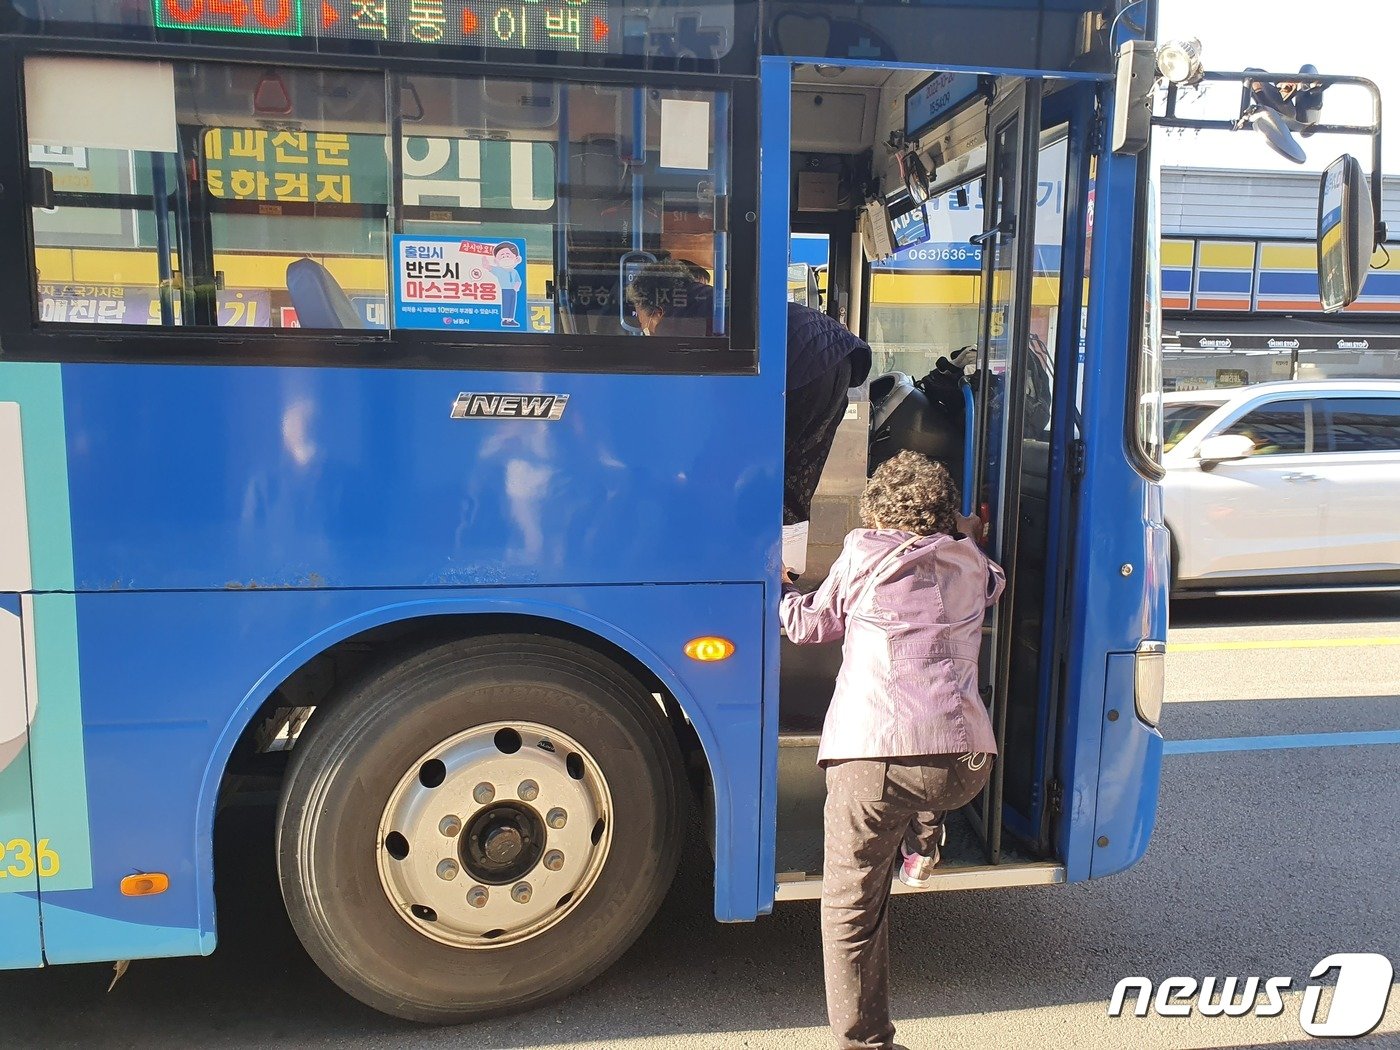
{"type": "Point", "coordinates": [910, 609]}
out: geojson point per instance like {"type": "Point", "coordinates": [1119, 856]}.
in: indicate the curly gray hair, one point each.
{"type": "Point", "coordinates": [912, 493]}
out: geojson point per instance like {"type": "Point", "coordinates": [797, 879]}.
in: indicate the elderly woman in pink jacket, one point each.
{"type": "Point", "coordinates": [907, 738]}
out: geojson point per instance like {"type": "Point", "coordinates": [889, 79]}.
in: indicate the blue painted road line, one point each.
{"type": "Point", "coordinates": [1279, 743]}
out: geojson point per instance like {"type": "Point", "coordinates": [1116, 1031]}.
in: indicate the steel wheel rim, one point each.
{"type": "Point", "coordinates": [494, 835]}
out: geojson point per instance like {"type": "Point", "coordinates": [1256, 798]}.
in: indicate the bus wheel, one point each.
{"type": "Point", "coordinates": [480, 828]}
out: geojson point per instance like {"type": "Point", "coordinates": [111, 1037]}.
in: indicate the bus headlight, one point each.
{"type": "Point", "coordinates": [1149, 674]}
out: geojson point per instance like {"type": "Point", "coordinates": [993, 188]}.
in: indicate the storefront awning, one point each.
{"type": "Point", "coordinates": [1278, 335]}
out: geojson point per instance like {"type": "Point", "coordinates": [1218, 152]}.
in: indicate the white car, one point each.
{"type": "Point", "coordinates": [1284, 485]}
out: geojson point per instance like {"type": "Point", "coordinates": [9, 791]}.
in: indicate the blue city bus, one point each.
{"type": "Point", "coordinates": [335, 465]}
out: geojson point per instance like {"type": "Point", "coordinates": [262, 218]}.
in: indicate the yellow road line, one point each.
{"type": "Point", "coordinates": [1296, 643]}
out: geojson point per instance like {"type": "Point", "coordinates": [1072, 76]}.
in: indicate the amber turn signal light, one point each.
{"type": "Point", "coordinates": [709, 649]}
{"type": "Point", "coordinates": [146, 884]}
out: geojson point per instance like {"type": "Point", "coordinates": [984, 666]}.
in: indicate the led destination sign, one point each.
{"type": "Point", "coordinates": [560, 25]}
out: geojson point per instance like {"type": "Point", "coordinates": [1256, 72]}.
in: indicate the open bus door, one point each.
{"type": "Point", "coordinates": [1005, 399]}
{"type": "Point", "coordinates": [909, 330]}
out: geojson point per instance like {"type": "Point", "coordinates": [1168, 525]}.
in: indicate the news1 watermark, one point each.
{"type": "Point", "coordinates": [1359, 996]}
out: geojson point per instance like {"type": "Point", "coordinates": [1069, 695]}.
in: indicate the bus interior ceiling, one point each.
{"type": "Point", "coordinates": [842, 120]}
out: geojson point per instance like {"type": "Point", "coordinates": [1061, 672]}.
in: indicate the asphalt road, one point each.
{"type": "Point", "coordinates": [1263, 863]}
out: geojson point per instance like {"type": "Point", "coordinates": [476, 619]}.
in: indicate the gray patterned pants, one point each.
{"type": "Point", "coordinates": [871, 807]}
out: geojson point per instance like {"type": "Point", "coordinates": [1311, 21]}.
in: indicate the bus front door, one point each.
{"type": "Point", "coordinates": [1011, 465]}
{"type": "Point", "coordinates": [914, 308]}
{"type": "Point", "coordinates": [19, 873]}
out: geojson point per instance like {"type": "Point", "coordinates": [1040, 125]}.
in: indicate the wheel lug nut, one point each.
{"type": "Point", "coordinates": [529, 791]}
{"type": "Point", "coordinates": [450, 826]}
{"type": "Point", "coordinates": [554, 860]}
{"type": "Point", "coordinates": [521, 893]}
{"type": "Point", "coordinates": [477, 896]}
{"type": "Point", "coordinates": [447, 870]}
{"type": "Point", "coordinates": [556, 819]}
{"type": "Point", "coordinates": [484, 793]}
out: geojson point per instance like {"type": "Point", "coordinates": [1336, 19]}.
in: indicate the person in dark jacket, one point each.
{"type": "Point", "coordinates": [824, 360]}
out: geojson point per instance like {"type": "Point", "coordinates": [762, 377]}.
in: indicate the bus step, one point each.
{"type": "Point", "coordinates": [801, 797]}
{"type": "Point", "coordinates": [801, 886]}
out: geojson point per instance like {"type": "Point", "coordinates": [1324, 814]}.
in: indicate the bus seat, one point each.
{"type": "Point", "coordinates": [319, 301]}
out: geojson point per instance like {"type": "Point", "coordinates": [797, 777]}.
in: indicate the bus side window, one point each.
{"type": "Point", "coordinates": [130, 240]}
{"type": "Point", "coordinates": [249, 196]}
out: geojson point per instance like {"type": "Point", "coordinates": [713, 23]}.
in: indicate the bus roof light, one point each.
{"type": "Point", "coordinates": [1179, 62]}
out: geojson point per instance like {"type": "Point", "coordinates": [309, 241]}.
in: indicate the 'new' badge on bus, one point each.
{"type": "Point", "coordinates": [509, 406]}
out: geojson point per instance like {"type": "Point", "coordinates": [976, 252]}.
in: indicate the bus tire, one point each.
{"type": "Point", "coordinates": [517, 782]}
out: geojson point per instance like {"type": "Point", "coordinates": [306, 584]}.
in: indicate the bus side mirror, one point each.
{"type": "Point", "coordinates": [1346, 231]}
{"type": "Point", "coordinates": [1223, 448]}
